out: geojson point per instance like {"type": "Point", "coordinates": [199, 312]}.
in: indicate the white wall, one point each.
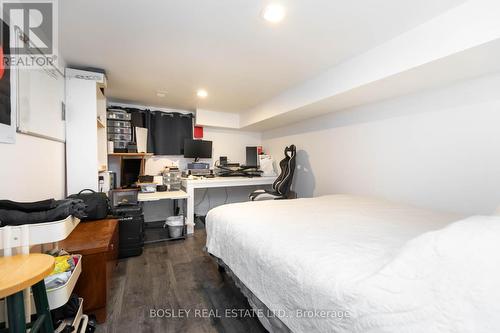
{"type": "Point", "coordinates": [32, 169]}
{"type": "Point", "coordinates": [225, 142]}
{"type": "Point", "coordinates": [218, 119]}
{"type": "Point", "coordinates": [438, 149]}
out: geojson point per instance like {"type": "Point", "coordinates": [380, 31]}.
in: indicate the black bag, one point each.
{"type": "Point", "coordinates": [68, 310]}
{"type": "Point", "coordinates": [97, 204]}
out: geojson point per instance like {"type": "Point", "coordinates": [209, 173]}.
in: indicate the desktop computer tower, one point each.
{"type": "Point", "coordinates": [131, 230]}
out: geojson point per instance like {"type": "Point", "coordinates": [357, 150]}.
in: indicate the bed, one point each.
{"type": "Point", "coordinates": [342, 263]}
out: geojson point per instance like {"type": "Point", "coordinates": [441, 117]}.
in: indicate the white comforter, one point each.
{"type": "Point", "coordinates": [370, 265]}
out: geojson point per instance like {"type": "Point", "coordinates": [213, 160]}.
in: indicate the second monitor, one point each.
{"type": "Point", "coordinates": [252, 160]}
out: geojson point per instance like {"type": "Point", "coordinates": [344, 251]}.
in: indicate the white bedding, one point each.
{"type": "Point", "coordinates": [377, 264]}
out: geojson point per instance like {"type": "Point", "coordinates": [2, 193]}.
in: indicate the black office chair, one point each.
{"type": "Point", "coordinates": [282, 184]}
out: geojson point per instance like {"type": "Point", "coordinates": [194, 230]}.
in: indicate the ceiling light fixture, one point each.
{"type": "Point", "coordinates": [273, 13]}
{"type": "Point", "coordinates": [201, 93]}
{"type": "Point", "coordinates": [161, 93]}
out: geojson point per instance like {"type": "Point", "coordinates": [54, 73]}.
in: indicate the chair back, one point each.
{"type": "Point", "coordinates": [283, 183]}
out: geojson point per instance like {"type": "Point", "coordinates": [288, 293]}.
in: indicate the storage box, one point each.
{"type": "Point", "coordinates": [120, 137]}
{"type": "Point", "coordinates": [119, 130]}
{"type": "Point", "coordinates": [172, 179]}
{"type": "Point", "coordinates": [119, 123]}
{"type": "Point", "coordinates": [122, 145]}
{"type": "Point", "coordinates": [119, 115]}
{"type": "Point", "coordinates": [147, 187]}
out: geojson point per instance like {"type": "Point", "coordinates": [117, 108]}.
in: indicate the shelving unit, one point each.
{"type": "Point", "coordinates": [147, 197]}
{"type": "Point", "coordinates": [142, 156]}
{"type": "Point", "coordinates": [60, 295]}
{"type": "Point", "coordinates": [155, 231]}
{"type": "Point", "coordinates": [85, 127]}
{"type": "Point", "coordinates": [23, 237]}
{"type": "Point", "coordinates": [39, 233]}
{"type": "Point", "coordinates": [75, 322]}
{"type": "Point", "coordinates": [100, 123]}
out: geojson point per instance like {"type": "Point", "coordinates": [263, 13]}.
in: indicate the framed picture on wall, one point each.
{"type": "Point", "coordinates": [7, 112]}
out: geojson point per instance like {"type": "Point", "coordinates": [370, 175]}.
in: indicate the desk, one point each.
{"type": "Point", "coordinates": [190, 185]}
{"type": "Point", "coordinates": [172, 195]}
{"type": "Point", "coordinates": [154, 230]}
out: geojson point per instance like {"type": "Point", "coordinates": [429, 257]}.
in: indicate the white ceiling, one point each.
{"type": "Point", "coordinates": [224, 46]}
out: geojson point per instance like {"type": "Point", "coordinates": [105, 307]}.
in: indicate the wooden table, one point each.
{"type": "Point", "coordinates": [97, 242]}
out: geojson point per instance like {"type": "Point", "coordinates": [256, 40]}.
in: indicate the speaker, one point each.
{"type": "Point", "coordinates": [223, 160]}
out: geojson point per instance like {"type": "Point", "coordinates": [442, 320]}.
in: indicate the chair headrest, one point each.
{"type": "Point", "coordinates": [290, 151]}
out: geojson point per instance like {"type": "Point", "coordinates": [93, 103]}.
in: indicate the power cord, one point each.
{"type": "Point", "coordinates": [206, 194]}
{"type": "Point", "coordinates": [202, 199]}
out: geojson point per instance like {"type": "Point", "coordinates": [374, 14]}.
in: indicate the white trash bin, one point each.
{"type": "Point", "coordinates": [175, 226]}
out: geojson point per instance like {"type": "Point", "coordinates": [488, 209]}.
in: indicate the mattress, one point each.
{"type": "Point", "coordinates": [342, 263]}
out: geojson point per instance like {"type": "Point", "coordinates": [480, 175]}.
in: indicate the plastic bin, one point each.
{"type": "Point", "coordinates": [175, 225]}
{"type": "Point", "coordinates": [60, 295]}
{"type": "Point", "coordinates": [119, 123]}
{"type": "Point", "coordinates": [119, 115]}
{"type": "Point", "coordinates": [119, 130]}
{"type": "Point", "coordinates": [148, 187]}
{"type": "Point", "coordinates": [120, 137]}
{"type": "Point", "coordinates": [172, 179]}
{"type": "Point", "coordinates": [120, 144]}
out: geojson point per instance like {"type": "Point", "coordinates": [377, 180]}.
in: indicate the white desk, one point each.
{"type": "Point", "coordinates": [190, 185]}
{"type": "Point", "coordinates": [153, 227]}
{"type": "Point", "coordinates": [172, 195]}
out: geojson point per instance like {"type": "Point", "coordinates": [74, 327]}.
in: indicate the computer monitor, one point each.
{"type": "Point", "coordinates": [252, 158]}
{"type": "Point", "coordinates": [197, 149]}
{"type": "Point", "coordinates": [130, 171]}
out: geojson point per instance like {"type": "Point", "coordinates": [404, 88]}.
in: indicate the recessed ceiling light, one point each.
{"type": "Point", "coordinates": [273, 13]}
{"type": "Point", "coordinates": [161, 94]}
{"type": "Point", "coordinates": [201, 93]}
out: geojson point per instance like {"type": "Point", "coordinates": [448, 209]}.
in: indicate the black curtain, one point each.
{"type": "Point", "coordinates": [169, 130]}
{"type": "Point", "coordinates": [166, 130]}
{"type": "Point", "coordinates": [141, 118]}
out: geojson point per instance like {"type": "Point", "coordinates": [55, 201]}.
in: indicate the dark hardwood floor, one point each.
{"type": "Point", "coordinates": [174, 276]}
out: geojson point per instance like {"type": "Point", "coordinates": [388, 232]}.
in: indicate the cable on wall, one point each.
{"type": "Point", "coordinates": [202, 199]}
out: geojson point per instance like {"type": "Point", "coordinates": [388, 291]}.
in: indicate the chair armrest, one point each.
{"type": "Point", "coordinates": [255, 193]}
{"type": "Point", "coordinates": [263, 194]}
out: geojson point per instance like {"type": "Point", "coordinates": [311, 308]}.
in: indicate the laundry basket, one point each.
{"type": "Point", "coordinates": [175, 225]}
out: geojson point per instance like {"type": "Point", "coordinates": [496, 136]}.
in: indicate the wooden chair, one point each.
{"type": "Point", "coordinates": [18, 273]}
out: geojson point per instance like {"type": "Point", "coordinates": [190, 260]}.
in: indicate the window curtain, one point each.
{"type": "Point", "coordinates": [169, 130]}
{"type": "Point", "coordinates": [166, 130]}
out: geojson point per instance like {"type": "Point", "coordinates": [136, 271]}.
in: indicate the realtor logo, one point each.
{"type": "Point", "coordinates": [29, 33]}
{"type": "Point", "coordinates": [35, 21]}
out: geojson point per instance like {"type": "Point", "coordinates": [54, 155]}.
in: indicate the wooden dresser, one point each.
{"type": "Point", "coordinates": [97, 242]}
